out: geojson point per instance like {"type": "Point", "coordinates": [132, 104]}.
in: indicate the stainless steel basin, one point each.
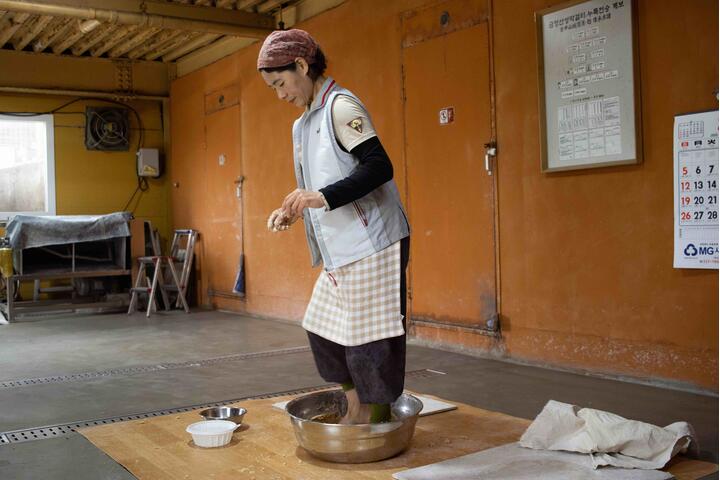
{"type": "Point", "coordinates": [351, 443]}
{"type": "Point", "coordinates": [224, 413]}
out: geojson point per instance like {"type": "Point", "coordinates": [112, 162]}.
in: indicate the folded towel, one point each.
{"type": "Point", "coordinates": [610, 439]}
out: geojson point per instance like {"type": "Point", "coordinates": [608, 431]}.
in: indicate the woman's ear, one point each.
{"type": "Point", "coordinates": [302, 65]}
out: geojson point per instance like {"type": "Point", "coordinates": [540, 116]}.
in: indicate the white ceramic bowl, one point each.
{"type": "Point", "coordinates": [212, 433]}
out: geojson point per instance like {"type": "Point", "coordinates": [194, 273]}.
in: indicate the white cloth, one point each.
{"type": "Point", "coordinates": [610, 439]}
{"type": "Point", "coordinates": [358, 303]}
{"type": "Point", "coordinates": [512, 462]}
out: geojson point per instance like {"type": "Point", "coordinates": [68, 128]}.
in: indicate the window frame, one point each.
{"type": "Point", "coordinates": [50, 202]}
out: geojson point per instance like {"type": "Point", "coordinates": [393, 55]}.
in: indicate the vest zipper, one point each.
{"type": "Point", "coordinates": [360, 214]}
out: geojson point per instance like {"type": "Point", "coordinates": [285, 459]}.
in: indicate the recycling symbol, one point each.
{"type": "Point", "coordinates": [690, 250]}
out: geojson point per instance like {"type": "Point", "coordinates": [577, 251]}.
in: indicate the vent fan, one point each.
{"type": "Point", "coordinates": [107, 129]}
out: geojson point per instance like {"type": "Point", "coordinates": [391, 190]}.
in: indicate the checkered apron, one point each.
{"type": "Point", "coordinates": [358, 303]}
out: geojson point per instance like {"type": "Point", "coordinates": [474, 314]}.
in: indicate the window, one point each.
{"type": "Point", "coordinates": [27, 165]}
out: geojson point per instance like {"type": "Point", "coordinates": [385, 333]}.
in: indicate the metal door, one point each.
{"type": "Point", "coordinates": [450, 194]}
{"type": "Point", "coordinates": [223, 241]}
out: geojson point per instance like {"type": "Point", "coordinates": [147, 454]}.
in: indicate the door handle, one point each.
{"type": "Point", "coordinates": [490, 151]}
{"type": "Point", "coordinates": [238, 186]}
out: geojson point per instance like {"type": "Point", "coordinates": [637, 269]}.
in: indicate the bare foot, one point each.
{"type": "Point", "coordinates": [357, 412]}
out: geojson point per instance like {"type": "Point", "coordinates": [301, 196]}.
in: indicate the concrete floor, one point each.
{"type": "Point", "coordinates": [50, 346]}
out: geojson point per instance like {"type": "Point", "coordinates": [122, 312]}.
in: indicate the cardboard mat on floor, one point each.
{"type": "Point", "coordinates": [158, 448]}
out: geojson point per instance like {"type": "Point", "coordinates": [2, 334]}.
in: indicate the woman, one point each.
{"type": "Point", "coordinates": [355, 225]}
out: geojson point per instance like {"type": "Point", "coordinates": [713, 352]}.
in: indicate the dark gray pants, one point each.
{"type": "Point", "coordinates": [377, 369]}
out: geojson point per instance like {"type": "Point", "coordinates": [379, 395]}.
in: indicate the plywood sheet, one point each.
{"type": "Point", "coordinates": [265, 446]}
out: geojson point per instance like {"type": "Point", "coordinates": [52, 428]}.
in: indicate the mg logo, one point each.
{"type": "Point", "coordinates": [692, 251]}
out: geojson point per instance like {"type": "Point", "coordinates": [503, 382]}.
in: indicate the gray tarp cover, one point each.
{"type": "Point", "coordinates": [28, 231]}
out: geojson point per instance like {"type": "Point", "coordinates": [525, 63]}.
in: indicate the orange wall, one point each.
{"type": "Point", "coordinates": [585, 257]}
{"type": "Point", "coordinates": [191, 173]}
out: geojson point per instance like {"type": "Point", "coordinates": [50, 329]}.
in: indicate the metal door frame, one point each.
{"type": "Point", "coordinates": [496, 332]}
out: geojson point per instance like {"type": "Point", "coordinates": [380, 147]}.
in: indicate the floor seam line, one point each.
{"type": "Point", "coordinates": [159, 367]}
{"type": "Point", "coordinates": [70, 428]}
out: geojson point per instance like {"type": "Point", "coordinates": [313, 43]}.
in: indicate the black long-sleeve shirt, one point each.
{"type": "Point", "coordinates": [374, 169]}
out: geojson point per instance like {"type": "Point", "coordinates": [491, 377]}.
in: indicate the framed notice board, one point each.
{"type": "Point", "coordinates": [588, 76]}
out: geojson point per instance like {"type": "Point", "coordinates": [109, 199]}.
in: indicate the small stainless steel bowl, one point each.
{"type": "Point", "coordinates": [362, 443]}
{"type": "Point", "coordinates": [224, 413]}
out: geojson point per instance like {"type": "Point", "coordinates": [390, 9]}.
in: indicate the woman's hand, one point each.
{"type": "Point", "coordinates": [279, 221]}
{"type": "Point", "coordinates": [300, 199]}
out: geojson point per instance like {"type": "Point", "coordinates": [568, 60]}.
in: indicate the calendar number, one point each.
{"type": "Point", "coordinates": [695, 169]}
{"type": "Point", "coordinates": [697, 189]}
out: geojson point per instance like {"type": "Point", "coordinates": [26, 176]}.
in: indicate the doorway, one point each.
{"type": "Point", "coordinates": [446, 66]}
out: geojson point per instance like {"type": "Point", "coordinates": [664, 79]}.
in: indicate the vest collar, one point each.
{"type": "Point", "coordinates": [319, 100]}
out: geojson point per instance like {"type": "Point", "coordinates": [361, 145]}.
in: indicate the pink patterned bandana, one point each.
{"type": "Point", "coordinates": [282, 47]}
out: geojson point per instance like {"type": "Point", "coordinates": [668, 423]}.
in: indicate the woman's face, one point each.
{"type": "Point", "coordinates": [293, 86]}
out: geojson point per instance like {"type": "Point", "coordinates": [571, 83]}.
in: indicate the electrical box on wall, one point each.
{"type": "Point", "coordinates": [148, 162]}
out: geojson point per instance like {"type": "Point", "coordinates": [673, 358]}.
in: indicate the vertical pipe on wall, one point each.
{"type": "Point", "coordinates": [167, 143]}
{"type": "Point", "coordinates": [493, 139]}
{"type": "Point", "coordinates": [408, 270]}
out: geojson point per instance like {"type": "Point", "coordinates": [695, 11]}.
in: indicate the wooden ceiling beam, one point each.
{"type": "Point", "coordinates": [80, 30]}
{"type": "Point", "coordinates": [247, 4]}
{"type": "Point", "coordinates": [93, 39]}
{"type": "Point", "coordinates": [197, 42]}
{"type": "Point", "coordinates": [169, 46]}
{"type": "Point", "coordinates": [55, 35]}
{"type": "Point", "coordinates": [11, 26]}
{"type": "Point", "coordinates": [152, 14]}
{"type": "Point", "coordinates": [66, 72]}
{"type": "Point", "coordinates": [269, 5]}
{"type": "Point", "coordinates": [44, 35]}
{"type": "Point", "coordinates": [33, 31]}
{"type": "Point", "coordinates": [132, 42]}
{"type": "Point", "coordinates": [113, 39]}
{"type": "Point", "coordinates": [161, 38]}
